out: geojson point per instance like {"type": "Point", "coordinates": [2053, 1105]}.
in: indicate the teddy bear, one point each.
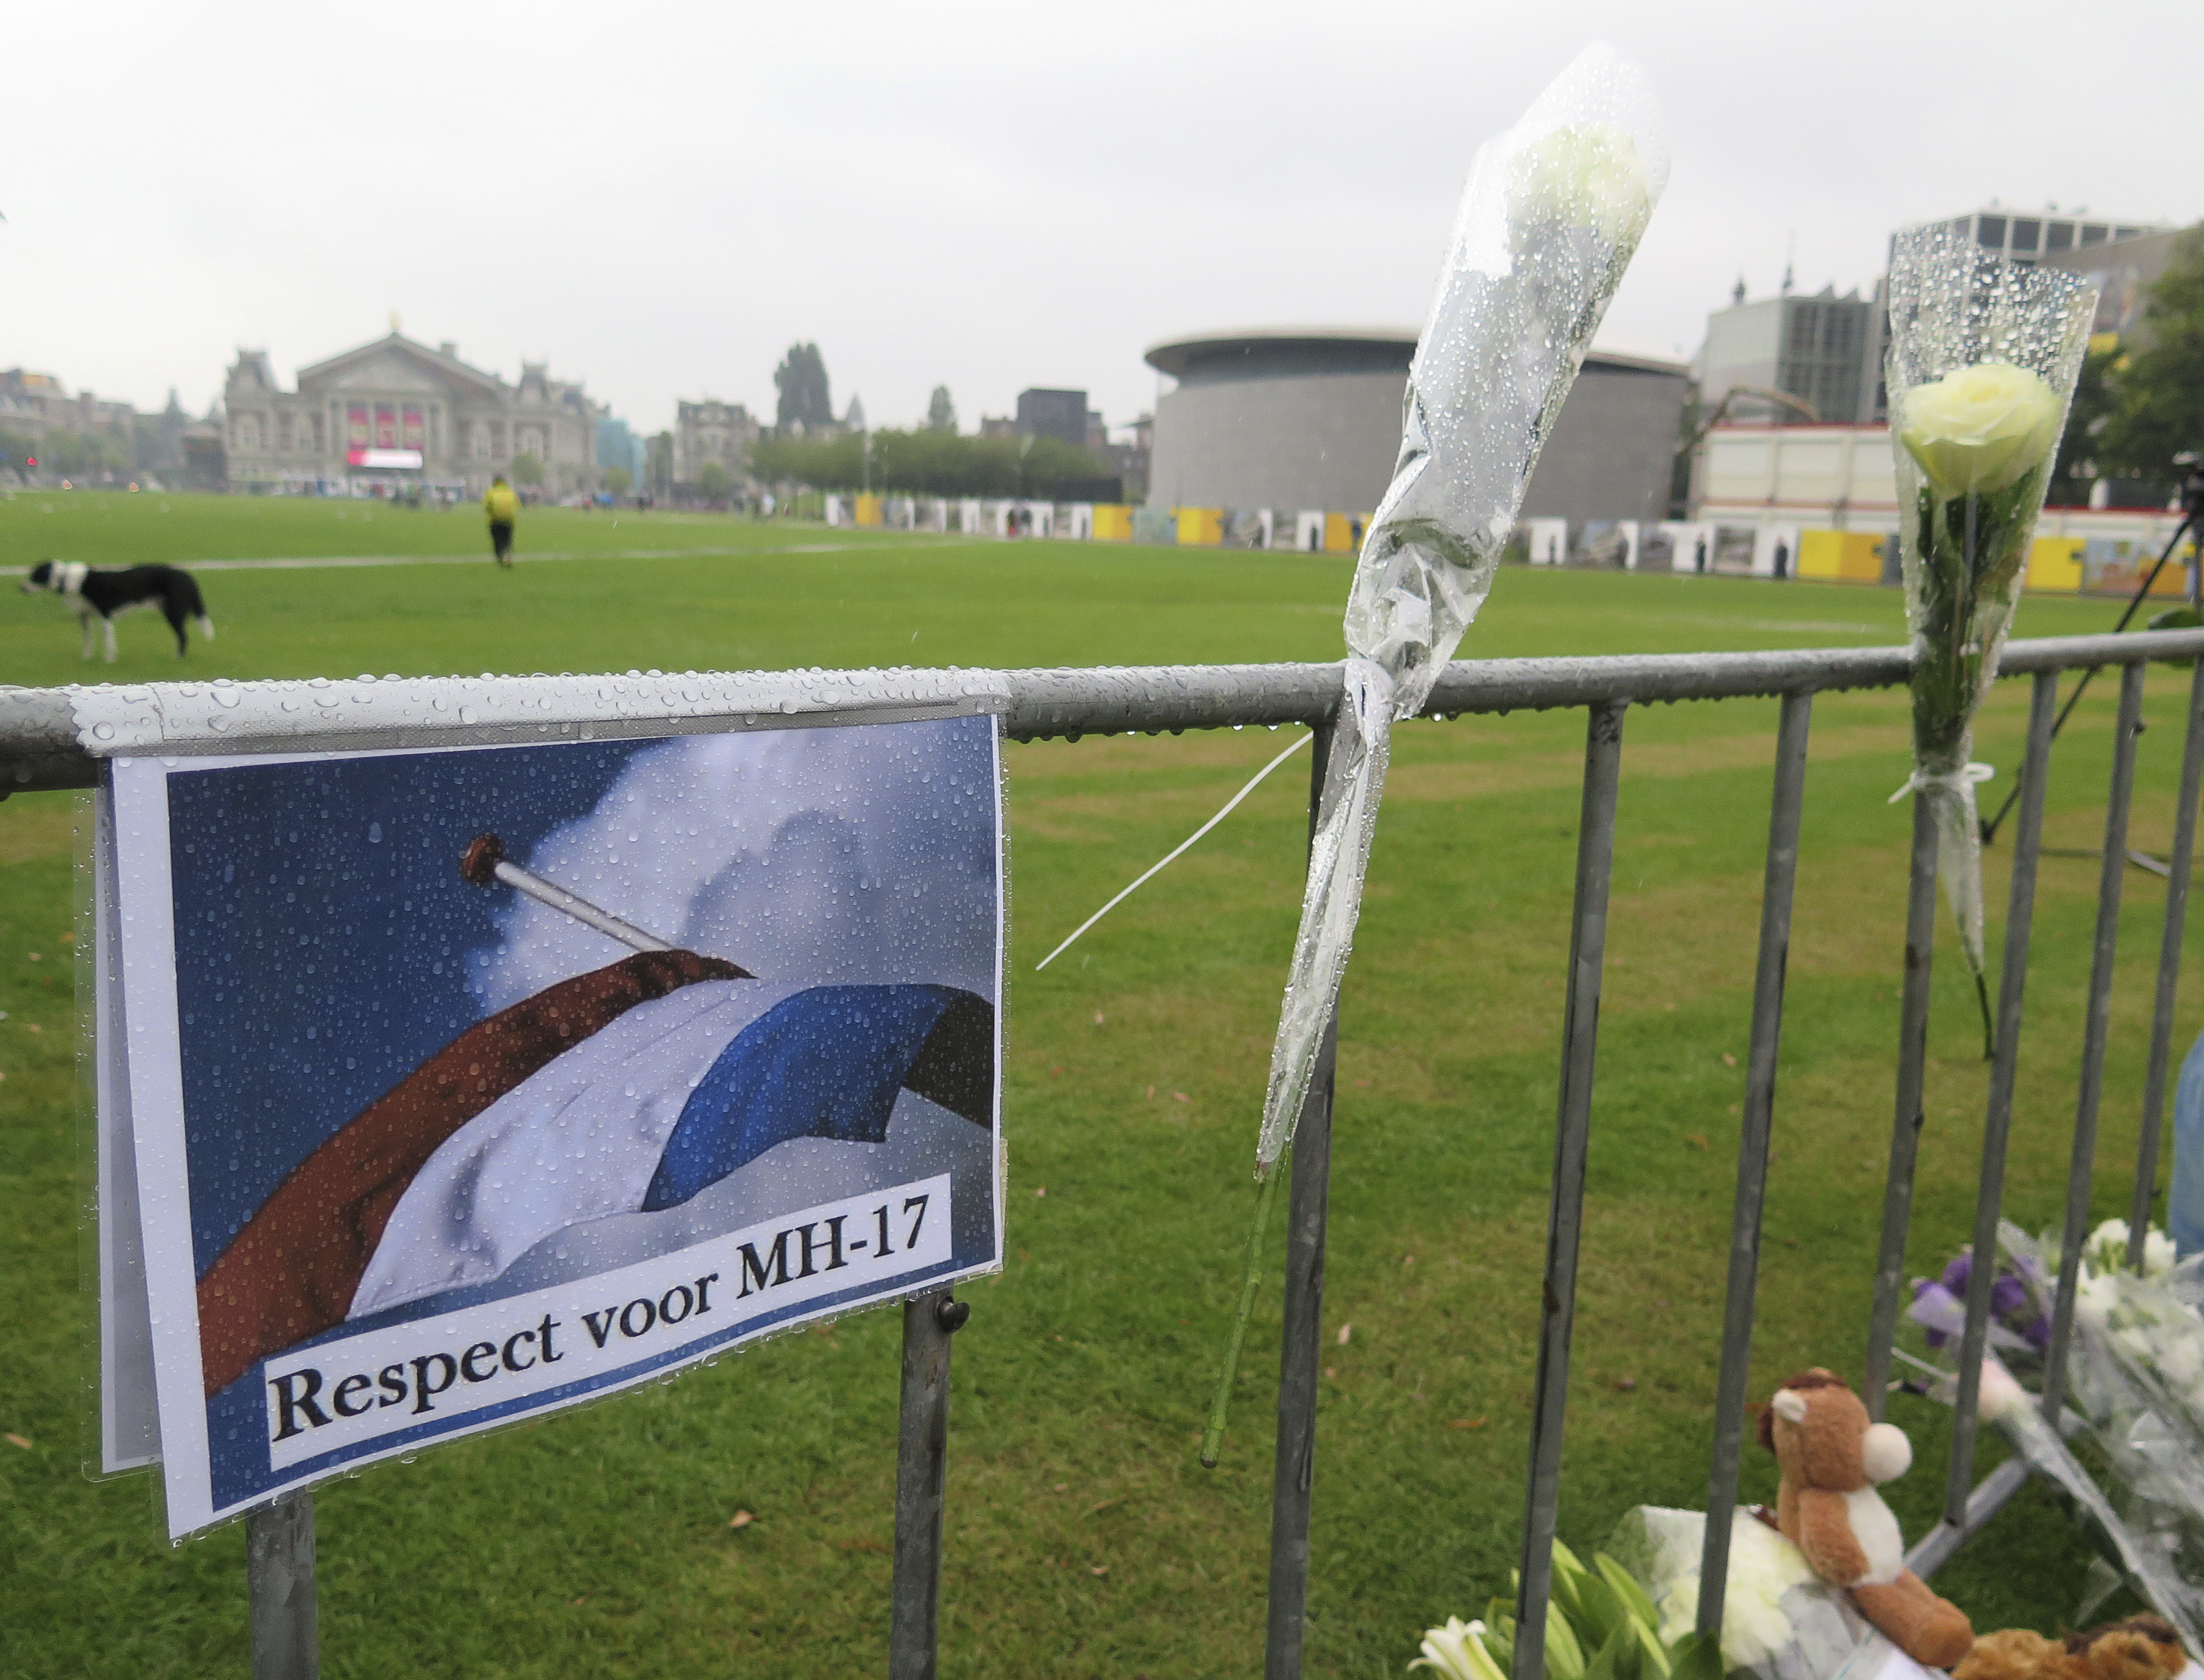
{"type": "Point", "coordinates": [1832, 1456]}
{"type": "Point", "coordinates": [2140, 1648]}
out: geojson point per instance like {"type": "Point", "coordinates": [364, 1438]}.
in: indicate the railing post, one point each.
{"type": "Point", "coordinates": [1300, 1350]}
{"type": "Point", "coordinates": [1781, 877]}
{"type": "Point", "coordinates": [279, 1572]}
{"type": "Point", "coordinates": [2096, 1025]}
{"type": "Point", "coordinates": [1906, 1120]}
{"type": "Point", "coordinates": [1564, 1220]}
{"type": "Point", "coordinates": [921, 1471]}
{"type": "Point", "coordinates": [2169, 963]}
{"type": "Point", "coordinates": [1997, 1121]}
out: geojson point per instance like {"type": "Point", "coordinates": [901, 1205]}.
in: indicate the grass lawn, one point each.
{"type": "Point", "coordinates": [1082, 1538]}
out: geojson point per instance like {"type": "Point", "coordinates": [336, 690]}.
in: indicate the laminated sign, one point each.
{"type": "Point", "coordinates": [440, 1089]}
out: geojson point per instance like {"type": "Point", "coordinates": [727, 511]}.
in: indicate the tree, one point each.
{"type": "Point", "coordinates": [2158, 391]}
{"type": "Point", "coordinates": [527, 470]}
{"type": "Point", "coordinates": [805, 398]}
{"type": "Point", "coordinates": [714, 481]}
{"type": "Point", "coordinates": [941, 412]}
{"type": "Point", "coordinates": [2094, 400]}
{"type": "Point", "coordinates": [660, 466]}
{"type": "Point", "coordinates": [619, 480]}
{"type": "Point", "coordinates": [925, 463]}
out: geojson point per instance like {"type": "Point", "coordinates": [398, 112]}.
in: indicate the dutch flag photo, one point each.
{"type": "Point", "coordinates": [460, 1025]}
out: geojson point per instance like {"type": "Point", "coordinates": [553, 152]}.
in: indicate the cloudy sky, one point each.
{"type": "Point", "coordinates": [658, 197]}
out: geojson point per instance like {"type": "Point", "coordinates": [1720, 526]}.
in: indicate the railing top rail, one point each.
{"type": "Point", "coordinates": [52, 738]}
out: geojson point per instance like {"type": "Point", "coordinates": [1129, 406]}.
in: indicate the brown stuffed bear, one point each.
{"type": "Point", "coordinates": [1832, 1458]}
{"type": "Point", "coordinates": [2142, 1647]}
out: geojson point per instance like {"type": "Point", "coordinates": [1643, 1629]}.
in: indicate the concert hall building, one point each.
{"type": "Point", "coordinates": [399, 413]}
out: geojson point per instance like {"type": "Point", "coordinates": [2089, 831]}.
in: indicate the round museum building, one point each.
{"type": "Point", "coordinates": [1310, 418]}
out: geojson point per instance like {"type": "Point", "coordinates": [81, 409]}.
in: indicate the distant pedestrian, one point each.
{"type": "Point", "coordinates": [503, 508]}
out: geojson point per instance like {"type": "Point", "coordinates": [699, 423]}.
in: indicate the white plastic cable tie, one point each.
{"type": "Point", "coordinates": [1971, 773]}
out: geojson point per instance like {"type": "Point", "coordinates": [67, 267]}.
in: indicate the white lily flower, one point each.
{"type": "Point", "coordinates": [1457, 1651]}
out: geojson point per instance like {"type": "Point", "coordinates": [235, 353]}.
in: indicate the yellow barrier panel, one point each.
{"type": "Point", "coordinates": [1113, 522]}
{"type": "Point", "coordinates": [1338, 534]}
{"type": "Point", "coordinates": [868, 510]}
{"type": "Point", "coordinates": [1840, 556]}
{"type": "Point", "coordinates": [1203, 526]}
{"type": "Point", "coordinates": [2054, 563]}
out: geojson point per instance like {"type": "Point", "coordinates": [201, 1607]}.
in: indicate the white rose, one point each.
{"type": "Point", "coordinates": [2158, 1254]}
{"type": "Point", "coordinates": [1999, 1393]}
{"type": "Point", "coordinates": [1587, 174]}
{"type": "Point", "coordinates": [2095, 1299]}
{"type": "Point", "coordinates": [1981, 429]}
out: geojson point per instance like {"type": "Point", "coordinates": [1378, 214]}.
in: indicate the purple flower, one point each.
{"type": "Point", "coordinates": [1958, 1272]}
{"type": "Point", "coordinates": [2008, 1295]}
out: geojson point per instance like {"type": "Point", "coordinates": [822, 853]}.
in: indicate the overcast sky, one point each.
{"type": "Point", "coordinates": [658, 197]}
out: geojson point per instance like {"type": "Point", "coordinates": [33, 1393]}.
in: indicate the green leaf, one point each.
{"type": "Point", "coordinates": [1599, 1614]}
{"type": "Point", "coordinates": [1565, 1657]}
{"type": "Point", "coordinates": [1635, 1598]}
{"type": "Point", "coordinates": [1500, 1630]}
{"type": "Point", "coordinates": [1617, 1657]}
{"type": "Point", "coordinates": [1698, 1656]}
{"type": "Point", "coordinates": [1565, 1583]}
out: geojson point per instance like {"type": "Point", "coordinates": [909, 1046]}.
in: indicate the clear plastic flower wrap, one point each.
{"type": "Point", "coordinates": [1779, 1620]}
{"type": "Point", "coordinates": [2135, 1384]}
{"type": "Point", "coordinates": [1548, 220]}
{"type": "Point", "coordinates": [1983, 355]}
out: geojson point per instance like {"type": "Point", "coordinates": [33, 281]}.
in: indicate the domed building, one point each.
{"type": "Point", "coordinates": [1292, 417]}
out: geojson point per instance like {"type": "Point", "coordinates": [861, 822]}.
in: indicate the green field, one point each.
{"type": "Point", "coordinates": [1082, 1538]}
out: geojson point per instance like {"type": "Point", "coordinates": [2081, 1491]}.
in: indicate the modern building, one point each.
{"type": "Point", "coordinates": [1824, 350]}
{"type": "Point", "coordinates": [1058, 414]}
{"type": "Point", "coordinates": [711, 431]}
{"type": "Point", "coordinates": [2123, 271]}
{"type": "Point", "coordinates": [2048, 235]}
{"type": "Point", "coordinates": [1298, 417]}
{"type": "Point", "coordinates": [396, 412]}
{"type": "Point", "coordinates": [619, 444]}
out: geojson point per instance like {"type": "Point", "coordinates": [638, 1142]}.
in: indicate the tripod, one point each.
{"type": "Point", "coordinates": [2192, 519]}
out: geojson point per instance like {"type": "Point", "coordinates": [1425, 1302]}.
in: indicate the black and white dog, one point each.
{"type": "Point", "coordinates": [101, 595]}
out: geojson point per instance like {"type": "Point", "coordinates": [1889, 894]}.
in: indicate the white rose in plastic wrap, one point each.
{"type": "Point", "coordinates": [1999, 1394]}
{"type": "Point", "coordinates": [2106, 1248]}
{"type": "Point", "coordinates": [2094, 1299]}
{"type": "Point", "coordinates": [2159, 1254]}
{"type": "Point", "coordinates": [1981, 429]}
{"type": "Point", "coordinates": [1586, 175]}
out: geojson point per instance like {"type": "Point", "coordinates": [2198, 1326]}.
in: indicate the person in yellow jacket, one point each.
{"type": "Point", "coordinates": [503, 506]}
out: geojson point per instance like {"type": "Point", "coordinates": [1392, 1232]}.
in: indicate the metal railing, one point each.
{"type": "Point", "coordinates": [40, 748]}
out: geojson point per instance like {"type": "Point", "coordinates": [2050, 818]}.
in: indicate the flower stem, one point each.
{"type": "Point", "coordinates": [1989, 1030]}
{"type": "Point", "coordinates": [1213, 1437]}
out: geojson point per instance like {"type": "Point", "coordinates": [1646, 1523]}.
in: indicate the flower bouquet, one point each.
{"type": "Point", "coordinates": [1983, 356]}
{"type": "Point", "coordinates": [2135, 1372]}
{"type": "Point", "coordinates": [1548, 220]}
{"type": "Point", "coordinates": [1780, 1621]}
{"type": "Point", "coordinates": [1634, 1619]}
{"type": "Point", "coordinates": [2019, 1329]}
{"type": "Point", "coordinates": [1601, 1624]}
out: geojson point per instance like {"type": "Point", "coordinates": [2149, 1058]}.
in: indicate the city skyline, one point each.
{"type": "Point", "coordinates": [981, 199]}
